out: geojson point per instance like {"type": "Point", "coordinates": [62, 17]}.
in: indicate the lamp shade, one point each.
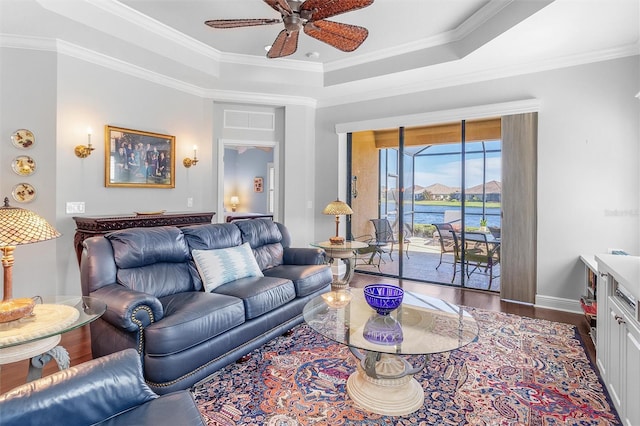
{"type": "Point", "coordinates": [235, 200]}
{"type": "Point", "coordinates": [337, 208]}
{"type": "Point", "coordinates": [20, 226]}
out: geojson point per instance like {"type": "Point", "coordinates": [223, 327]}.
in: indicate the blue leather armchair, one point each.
{"type": "Point", "coordinates": [104, 391]}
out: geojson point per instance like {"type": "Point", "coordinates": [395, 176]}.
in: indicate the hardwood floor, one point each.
{"type": "Point", "coordinates": [77, 342]}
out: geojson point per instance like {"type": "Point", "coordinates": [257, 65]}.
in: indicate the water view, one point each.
{"type": "Point", "coordinates": [428, 214]}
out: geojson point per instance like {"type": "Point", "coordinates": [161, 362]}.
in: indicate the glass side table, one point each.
{"type": "Point", "coordinates": [345, 252]}
{"type": "Point", "coordinates": [37, 336]}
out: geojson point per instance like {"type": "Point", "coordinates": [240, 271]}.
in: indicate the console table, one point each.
{"type": "Point", "coordinates": [91, 226]}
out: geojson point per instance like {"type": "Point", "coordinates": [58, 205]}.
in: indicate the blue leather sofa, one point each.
{"type": "Point", "coordinates": [156, 301]}
{"type": "Point", "coordinates": [104, 391]}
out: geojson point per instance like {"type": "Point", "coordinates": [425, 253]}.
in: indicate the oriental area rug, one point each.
{"type": "Point", "coordinates": [520, 371]}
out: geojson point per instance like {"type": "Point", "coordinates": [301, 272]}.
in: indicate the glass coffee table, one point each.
{"type": "Point", "coordinates": [37, 336]}
{"type": "Point", "coordinates": [383, 382]}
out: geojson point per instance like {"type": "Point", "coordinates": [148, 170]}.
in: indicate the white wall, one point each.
{"type": "Point", "coordinates": [28, 101]}
{"type": "Point", "coordinates": [300, 183]}
{"type": "Point", "coordinates": [588, 159]}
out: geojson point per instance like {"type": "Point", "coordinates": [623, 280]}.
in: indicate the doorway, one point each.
{"type": "Point", "coordinates": [248, 170]}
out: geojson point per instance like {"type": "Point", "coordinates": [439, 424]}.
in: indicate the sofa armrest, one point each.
{"type": "Point", "coordinates": [85, 394]}
{"type": "Point", "coordinates": [128, 309]}
{"type": "Point", "coordinates": [303, 256]}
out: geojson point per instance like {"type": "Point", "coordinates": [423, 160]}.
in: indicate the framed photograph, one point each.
{"type": "Point", "coordinates": [258, 184]}
{"type": "Point", "coordinates": [134, 158]}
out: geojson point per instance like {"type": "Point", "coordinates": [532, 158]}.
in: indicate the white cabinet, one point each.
{"type": "Point", "coordinates": [618, 349]}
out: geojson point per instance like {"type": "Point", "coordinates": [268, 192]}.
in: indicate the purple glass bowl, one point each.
{"type": "Point", "coordinates": [383, 298]}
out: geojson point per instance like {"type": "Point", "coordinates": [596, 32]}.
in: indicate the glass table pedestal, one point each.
{"type": "Point", "coordinates": [384, 383]}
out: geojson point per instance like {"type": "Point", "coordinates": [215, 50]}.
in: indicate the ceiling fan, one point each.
{"type": "Point", "coordinates": [310, 16]}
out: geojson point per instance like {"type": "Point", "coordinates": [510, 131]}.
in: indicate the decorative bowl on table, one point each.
{"type": "Point", "coordinates": [383, 298]}
{"type": "Point", "coordinates": [13, 309]}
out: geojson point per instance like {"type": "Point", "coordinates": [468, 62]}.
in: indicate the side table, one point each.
{"type": "Point", "coordinates": [346, 252]}
{"type": "Point", "coordinates": [36, 337]}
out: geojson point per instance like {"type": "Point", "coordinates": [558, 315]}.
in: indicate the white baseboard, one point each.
{"type": "Point", "coordinates": [558, 303]}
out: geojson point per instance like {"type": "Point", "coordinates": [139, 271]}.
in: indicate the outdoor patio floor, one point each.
{"type": "Point", "coordinates": [424, 256]}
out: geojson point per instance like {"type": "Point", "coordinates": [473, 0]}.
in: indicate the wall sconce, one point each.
{"type": "Point", "coordinates": [188, 162]}
{"type": "Point", "coordinates": [83, 151]}
{"type": "Point", "coordinates": [234, 202]}
{"type": "Point", "coordinates": [354, 187]}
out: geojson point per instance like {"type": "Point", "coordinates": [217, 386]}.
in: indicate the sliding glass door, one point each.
{"type": "Point", "coordinates": [423, 180]}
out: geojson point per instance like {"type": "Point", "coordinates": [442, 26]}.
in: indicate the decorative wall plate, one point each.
{"type": "Point", "coordinates": [23, 139]}
{"type": "Point", "coordinates": [23, 192]}
{"type": "Point", "coordinates": [23, 165]}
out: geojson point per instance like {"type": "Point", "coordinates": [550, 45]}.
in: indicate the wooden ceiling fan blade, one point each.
{"type": "Point", "coordinates": [285, 44]}
{"type": "Point", "coordinates": [281, 6]}
{"type": "Point", "coordinates": [344, 37]}
{"type": "Point", "coordinates": [236, 23]}
{"type": "Point", "coordinates": [321, 9]}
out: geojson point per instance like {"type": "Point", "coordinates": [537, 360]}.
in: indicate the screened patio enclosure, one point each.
{"type": "Point", "coordinates": [416, 178]}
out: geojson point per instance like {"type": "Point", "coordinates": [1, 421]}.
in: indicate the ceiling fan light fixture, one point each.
{"type": "Point", "coordinates": [312, 55]}
{"type": "Point", "coordinates": [309, 17]}
{"type": "Point", "coordinates": [267, 47]}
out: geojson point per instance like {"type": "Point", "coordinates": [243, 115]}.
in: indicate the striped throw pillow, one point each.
{"type": "Point", "coordinates": [220, 266]}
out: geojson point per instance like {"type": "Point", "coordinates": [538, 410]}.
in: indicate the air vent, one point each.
{"type": "Point", "coordinates": [249, 120]}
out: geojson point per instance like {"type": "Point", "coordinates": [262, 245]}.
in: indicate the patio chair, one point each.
{"type": "Point", "coordinates": [479, 255]}
{"type": "Point", "coordinates": [495, 231]}
{"type": "Point", "coordinates": [446, 240]}
{"type": "Point", "coordinates": [385, 237]}
{"type": "Point", "coordinates": [453, 218]}
{"type": "Point", "coordinates": [366, 255]}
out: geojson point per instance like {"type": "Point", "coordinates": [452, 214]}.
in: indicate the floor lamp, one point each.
{"type": "Point", "coordinates": [19, 226]}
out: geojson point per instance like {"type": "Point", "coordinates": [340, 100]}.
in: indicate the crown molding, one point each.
{"type": "Point", "coordinates": [139, 20]}
{"type": "Point", "coordinates": [28, 42]}
{"type": "Point", "coordinates": [105, 61]}
{"type": "Point", "coordinates": [479, 76]}
{"type": "Point", "coordinates": [280, 63]}
{"type": "Point", "coordinates": [258, 98]}
{"type": "Point", "coordinates": [72, 50]}
{"type": "Point", "coordinates": [96, 58]}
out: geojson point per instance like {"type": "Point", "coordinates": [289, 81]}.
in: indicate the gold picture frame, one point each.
{"type": "Point", "coordinates": [138, 159]}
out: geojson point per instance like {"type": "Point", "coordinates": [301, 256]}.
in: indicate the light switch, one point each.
{"type": "Point", "coordinates": [75, 207]}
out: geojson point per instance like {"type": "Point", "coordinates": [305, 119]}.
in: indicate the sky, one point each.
{"type": "Point", "coordinates": [445, 169]}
